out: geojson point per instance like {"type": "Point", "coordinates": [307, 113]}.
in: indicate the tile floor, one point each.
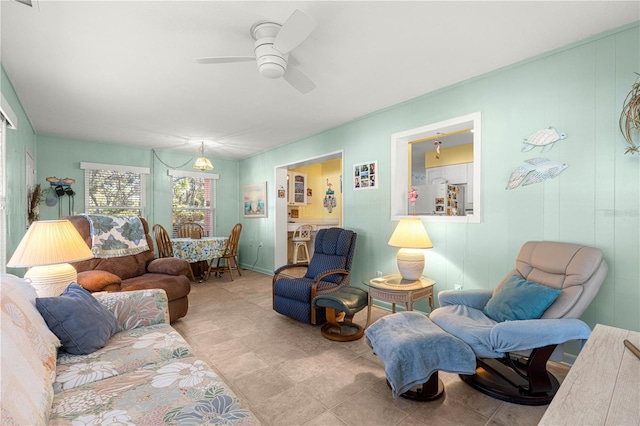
{"type": "Point", "coordinates": [288, 374]}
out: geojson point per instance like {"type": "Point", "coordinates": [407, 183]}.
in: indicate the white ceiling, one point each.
{"type": "Point", "coordinates": [124, 71]}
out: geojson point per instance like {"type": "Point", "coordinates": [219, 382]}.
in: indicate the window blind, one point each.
{"type": "Point", "coordinates": [114, 189]}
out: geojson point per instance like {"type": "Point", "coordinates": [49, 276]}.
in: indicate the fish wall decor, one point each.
{"type": "Point", "coordinates": [545, 138]}
{"type": "Point", "coordinates": [536, 170]}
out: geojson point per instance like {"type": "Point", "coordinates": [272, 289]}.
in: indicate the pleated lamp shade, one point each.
{"type": "Point", "coordinates": [411, 236]}
{"type": "Point", "coordinates": [46, 248]}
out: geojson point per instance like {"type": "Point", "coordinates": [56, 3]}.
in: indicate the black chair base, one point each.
{"type": "Point", "coordinates": [497, 379]}
{"type": "Point", "coordinates": [431, 390]}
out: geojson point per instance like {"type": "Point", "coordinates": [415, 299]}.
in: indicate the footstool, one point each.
{"type": "Point", "coordinates": [413, 349]}
{"type": "Point", "coordinates": [349, 300]}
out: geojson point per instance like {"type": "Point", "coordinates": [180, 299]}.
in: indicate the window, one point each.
{"type": "Point", "coordinates": [193, 200]}
{"type": "Point", "coordinates": [114, 190]}
{"type": "Point", "coordinates": [403, 177]}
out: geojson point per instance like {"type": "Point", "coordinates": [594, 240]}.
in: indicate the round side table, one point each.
{"type": "Point", "coordinates": [393, 289]}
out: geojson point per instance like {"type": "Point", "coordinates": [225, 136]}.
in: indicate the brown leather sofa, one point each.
{"type": "Point", "coordinates": [135, 272]}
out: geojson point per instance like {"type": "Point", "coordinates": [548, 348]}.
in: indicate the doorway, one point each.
{"type": "Point", "coordinates": [281, 210]}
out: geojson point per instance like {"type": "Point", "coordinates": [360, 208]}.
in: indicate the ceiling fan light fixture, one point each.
{"type": "Point", "coordinates": [202, 163]}
{"type": "Point", "coordinates": [271, 63]}
{"type": "Point", "coordinates": [271, 70]}
{"type": "Point", "coordinates": [273, 42]}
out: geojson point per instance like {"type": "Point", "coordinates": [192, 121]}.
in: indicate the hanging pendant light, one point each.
{"type": "Point", "coordinates": [202, 163]}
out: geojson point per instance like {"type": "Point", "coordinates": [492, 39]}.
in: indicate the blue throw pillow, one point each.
{"type": "Point", "coordinates": [519, 299]}
{"type": "Point", "coordinates": [82, 324]}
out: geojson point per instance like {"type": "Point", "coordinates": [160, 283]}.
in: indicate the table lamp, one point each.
{"type": "Point", "coordinates": [46, 248]}
{"type": "Point", "coordinates": [411, 236]}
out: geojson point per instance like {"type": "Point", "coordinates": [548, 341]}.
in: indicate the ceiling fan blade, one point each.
{"type": "Point", "coordinates": [224, 59]}
{"type": "Point", "coordinates": [298, 80]}
{"type": "Point", "coordinates": [294, 31]}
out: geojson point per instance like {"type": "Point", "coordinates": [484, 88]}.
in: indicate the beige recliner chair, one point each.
{"type": "Point", "coordinates": [511, 348]}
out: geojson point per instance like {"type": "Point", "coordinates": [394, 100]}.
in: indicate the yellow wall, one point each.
{"type": "Point", "coordinates": [448, 156]}
{"type": "Point", "coordinates": [317, 175]}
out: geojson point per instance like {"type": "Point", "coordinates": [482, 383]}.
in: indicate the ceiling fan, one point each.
{"type": "Point", "coordinates": [272, 47]}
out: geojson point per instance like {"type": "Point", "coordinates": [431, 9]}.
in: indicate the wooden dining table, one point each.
{"type": "Point", "coordinates": [195, 250]}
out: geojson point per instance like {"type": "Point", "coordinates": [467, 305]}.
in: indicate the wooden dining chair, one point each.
{"type": "Point", "coordinates": [230, 254]}
{"type": "Point", "coordinates": [165, 248]}
{"type": "Point", "coordinates": [190, 230]}
{"type": "Point", "coordinates": [194, 230]}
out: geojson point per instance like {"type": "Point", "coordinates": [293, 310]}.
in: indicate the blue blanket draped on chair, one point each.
{"type": "Point", "coordinates": [115, 236]}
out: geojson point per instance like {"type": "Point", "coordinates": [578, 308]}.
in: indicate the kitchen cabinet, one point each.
{"type": "Point", "coordinates": [297, 188]}
{"type": "Point", "coordinates": [435, 175]}
{"type": "Point", "coordinates": [455, 173]}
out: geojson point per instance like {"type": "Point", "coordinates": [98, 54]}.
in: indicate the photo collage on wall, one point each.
{"type": "Point", "coordinates": [365, 175]}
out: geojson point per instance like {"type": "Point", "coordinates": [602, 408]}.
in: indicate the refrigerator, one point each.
{"type": "Point", "coordinates": [442, 199]}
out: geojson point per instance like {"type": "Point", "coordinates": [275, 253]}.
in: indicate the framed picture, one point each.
{"type": "Point", "coordinates": [254, 200]}
{"type": "Point", "coordinates": [365, 175]}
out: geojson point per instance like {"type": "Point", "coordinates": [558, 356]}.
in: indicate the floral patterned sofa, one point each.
{"type": "Point", "coordinates": [146, 373]}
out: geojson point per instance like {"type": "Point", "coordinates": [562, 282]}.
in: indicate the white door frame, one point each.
{"type": "Point", "coordinates": [280, 179]}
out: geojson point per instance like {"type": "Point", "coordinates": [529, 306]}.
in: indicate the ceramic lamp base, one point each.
{"type": "Point", "coordinates": [410, 263]}
{"type": "Point", "coordinates": [51, 280]}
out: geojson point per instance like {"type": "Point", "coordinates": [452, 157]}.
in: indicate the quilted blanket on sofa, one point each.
{"type": "Point", "coordinates": [115, 236]}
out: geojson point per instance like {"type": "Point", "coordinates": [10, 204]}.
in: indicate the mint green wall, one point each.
{"type": "Point", "coordinates": [18, 140]}
{"type": "Point", "coordinates": [596, 201]}
{"type": "Point", "coordinates": [61, 157]}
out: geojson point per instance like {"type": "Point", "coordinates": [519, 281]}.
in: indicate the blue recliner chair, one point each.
{"type": "Point", "coordinates": [328, 270]}
{"type": "Point", "coordinates": [511, 342]}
